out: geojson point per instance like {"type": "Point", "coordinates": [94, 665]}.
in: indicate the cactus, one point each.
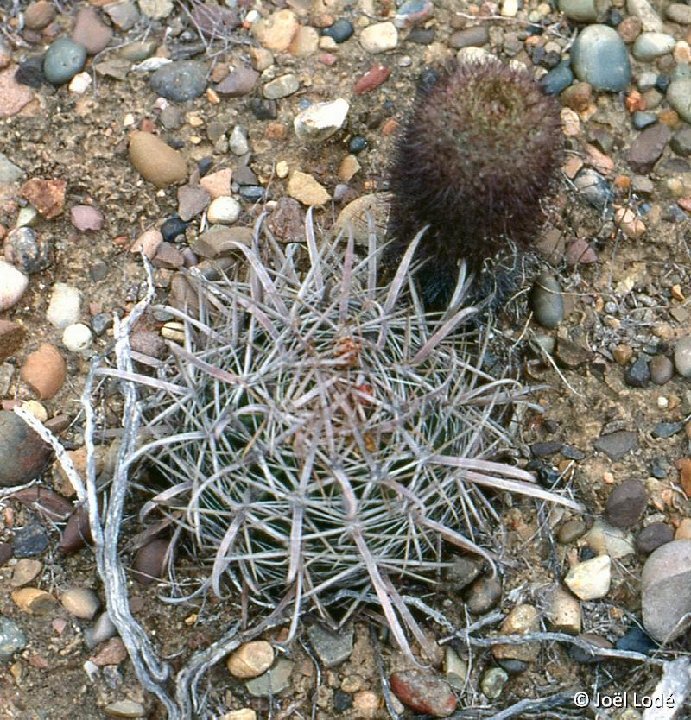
{"type": "Point", "coordinates": [315, 433]}
{"type": "Point", "coordinates": [472, 164]}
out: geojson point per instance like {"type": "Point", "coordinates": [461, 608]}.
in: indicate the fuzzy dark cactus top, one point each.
{"type": "Point", "coordinates": [477, 155]}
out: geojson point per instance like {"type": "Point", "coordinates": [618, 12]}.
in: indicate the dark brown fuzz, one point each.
{"type": "Point", "coordinates": [478, 154]}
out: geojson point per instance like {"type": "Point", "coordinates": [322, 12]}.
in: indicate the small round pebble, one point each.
{"type": "Point", "coordinates": [340, 31]}
{"type": "Point", "coordinates": [179, 80]}
{"type": "Point", "coordinates": [600, 57]}
{"type": "Point", "coordinates": [484, 594]}
{"type": "Point", "coordinates": [63, 308]}
{"type": "Point", "coordinates": [12, 285]}
{"type": "Point", "coordinates": [251, 659]}
{"type": "Point", "coordinates": [651, 45]}
{"type": "Point", "coordinates": [653, 536]}
{"type": "Point", "coordinates": [86, 217]}
{"type": "Point", "coordinates": [679, 96]}
{"type": "Point", "coordinates": [661, 369]}
{"type": "Point", "coordinates": [172, 228]}
{"type": "Point", "coordinates": [682, 356]}
{"type": "Point", "coordinates": [44, 371]}
{"type": "Point", "coordinates": [80, 602]}
{"type": "Point", "coordinates": [223, 211]}
{"type": "Point", "coordinates": [77, 337]}
{"type": "Point", "coordinates": [546, 301]}
{"type": "Point", "coordinates": [379, 37]}
{"type": "Point", "coordinates": [63, 60]}
{"type": "Point", "coordinates": [626, 503]}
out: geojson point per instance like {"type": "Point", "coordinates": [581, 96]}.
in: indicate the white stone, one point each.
{"type": "Point", "coordinates": [77, 337]}
{"type": "Point", "coordinates": [590, 579]}
{"type": "Point", "coordinates": [238, 141]}
{"type": "Point", "coordinates": [281, 87]}
{"type": "Point", "coordinates": [156, 9]}
{"type": "Point", "coordinates": [63, 308]}
{"type": "Point", "coordinates": [26, 216]}
{"type": "Point", "coordinates": [80, 83]}
{"type": "Point", "coordinates": [282, 169]}
{"type": "Point", "coordinates": [509, 8]}
{"type": "Point", "coordinates": [223, 210]}
{"type": "Point", "coordinates": [321, 120]}
{"type": "Point", "coordinates": [605, 539]}
{"type": "Point", "coordinates": [473, 54]}
{"type": "Point", "coordinates": [682, 356]}
{"type": "Point", "coordinates": [648, 16]}
{"type": "Point", "coordinates": [379, 37]}
{"type": "Point", "coordinates": [12, 285]}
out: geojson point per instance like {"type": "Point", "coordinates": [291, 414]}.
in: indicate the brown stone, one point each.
{"type": "Point", "coordinates": [156, 161]}
{"type": "Point", "coordinates": [24, 455]}
{"type": "Point", "coordinates": [111, 652]}
{"type": "Point", "coordinates": [47, 196]}
{"type": "Point", "coordinates": [44, 370]}
{"type": "Point", "coordinates": [14, 96]}
{"type": "Point", "coordinates": [90, 31]}
{"type": "Point", "coordinates": [11, 338]}
{"type": "Point", "coordinates": [39, 14]}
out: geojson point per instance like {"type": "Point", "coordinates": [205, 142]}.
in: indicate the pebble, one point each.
{"type": "Point", "coordinates": [39, 14]}
{"type": "Point", "coordinates": [648, 16]}
{"type": "Point", "coordinates": [76, 532]}
{"type": "Point", "coordinates": [277, 31]}
{"type": "Point", "coordinates": [651, 45]}
{"type": "Point", "coordinates": [679, 13]}
{"type": "Point", "coordinates": [605, 539]}
{"type": "Point", "coordinates": [80, 83]}
{"type": "Point", "coordinates": [641, 119]}
{"type": "Point", "coordinates": [147, 243]}
{"type": "Point", "coordinates": [281, 87]}
{"type": "Point", "coordinates": [245, 714]}
{"type": "Point", "coordinates": [591, 579]}
{"type": "Point", "coordinates": [24, 250]}
{"type": "Point", "coordinates": [564, 612]}
{"type": "Point", "coordinates": [47, 196]}
{"type": "Point", "coordinates": [593, 188]}
{"type": "Point", "coordinates": [626, 504]}
{"type": "Point", "coordinates": [483, 595]}
{"type": "Point", "coordinates": [557, 79]}
{"type": "Point", "coordinates": [679, 97]}
{"type": "Point", "coordinates": [667, 429]}
{"type": "Point", "coordinates": [25, 571]}
{"type": "Point", "coordinates": [617, 444]}
{"type": "Point", "coordinates": [156, 161]}
{"type": "Point", "coordinates": [102, 630]}
{"type": "Point", "coordinates": [251, 660]}
{"type": "Point", "coordinates": [599, 57]}
{"type": "Point", "coordinates": [264, 109]}
{"type": "Point", "coordinates": [546, 301]}
{"type": "Point", "coordinates": [682, 356]}
{"type": "Point", "coordinates": [124, 14]}
{"type": "Point", "coordinates": [217, 184]}
{"type": "Point", "coordinates": [149, 562]}
{"type": "Point", "coordinates": [30, 540]}
{"type": "Point", "coordinates": [63, 60]}
{"type": "Point", "coordinates": [9, 172]}
{"type": "Point", "coordinates": [340, 31]}
{"type": "Point", "coordinates": [86, 217]}
{"type": "Point", "coordinates": [77, 337]}
{"type": "Point", "coordinates": [156, 9]}
{"type": "Point", "coordinates": [112, 652]}
{"type": "Point", "coordinates": [647, 148]}
{"type": "Point", "coordinates": [585, 11]}
{"type": "Point", "coordinates": [273, 682]}
{"type": "Point", "coordinates": [571, 530]}
{"type": "Point", "coordinates": [237, 142]}
{"type": "Point", "coordinates": [332, 648]}
{"type": "Point", "coordinates": [223, 210]}
{"type": "Point", "coordinates": [379, 37]}
{"type": "Point", "coordinates": [12, 639]}
{"type": "Point", "coordinates": [34, 601]}
{"type": "Point", "coordinates": [638, 373]}
{"type": "Point", "coordinates": [174, 227]}
{"type": "Point", "coordinates": [372, 79]}
{"type": "Point", "coordinates": [80, 602]}
{"type": "Point", "coordinates": [180, 80]}
{"type": "Point", "coordinates": [239, 82]}
{"type": "Point", "coordinates": [11, 338]}
{"type": "Point", "coordinates": [14, 95]}
{"type": "Point", "coordinates": [130, 708]}
{"type": "Point", "coordinates": [321, 120]}
{"type": "Point", "coordinates": [90, 31]}
{"type": "Point", "coordinates": [415, 12]}
{"type": "Point", "coordinates": [423, 693]}
{"type": "Point", "coordinates": [493, 682]}
{"type": "Point", "coordinates": [44, 371]}
{"type": "Point", "coordinates": [64, 306]}
{"type": "Point", "coordinates": [23, 454]}
{"type": "Point", "coordinates": [304, 188]}
{"type": "Point", "coordinates": [680, 143]}
{"type": "Point", "coordinates": [192, 201]}
{"type": "Point", "coordinates": [653, 536]}
{"type": "Point", "coordinates": [636, 640]}
{"type": "Point", "coordinates": [666, 589]}
{"type": "Point", "coordinates": [13, 283]}
{"type": "Point", "coordinates": [522, 619]}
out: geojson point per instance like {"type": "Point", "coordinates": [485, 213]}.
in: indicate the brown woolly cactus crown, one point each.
{"type": "Point", "coordinates": [473, 162]}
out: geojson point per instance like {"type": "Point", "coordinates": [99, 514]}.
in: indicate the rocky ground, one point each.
{"type": "Point", "coordinates": [168, 127]}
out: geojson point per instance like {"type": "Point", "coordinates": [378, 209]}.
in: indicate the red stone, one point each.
{"type": "Point", "coordinates": [47, 196]}
{"type": "Point", "coordinates": [372, 79]}
{"type": "Point", "coordinates": [423, 693]}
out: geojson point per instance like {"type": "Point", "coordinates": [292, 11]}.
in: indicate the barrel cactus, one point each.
{"type": "Point", "coordinates": [317, 433]}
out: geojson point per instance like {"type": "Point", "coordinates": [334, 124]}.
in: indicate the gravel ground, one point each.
{"type": "Point", "coordinates": [81, 192]}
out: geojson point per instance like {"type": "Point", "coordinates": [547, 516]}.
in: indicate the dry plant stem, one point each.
{"type": "Point", "coordinates": [518, 709]}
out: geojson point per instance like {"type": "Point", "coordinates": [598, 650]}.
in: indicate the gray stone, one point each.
{"type": "Point", "coordinates": [272, 682]}
{"type": "Point", "coordinates": [123, 14]}
{"type": "Point", "coordinates": [648, 16]}
{"type": "Point", "coordinates": [600, 57]}
{"type": "Point", "coordinates": [281, 87]}
{"type": "Point", "coordinates": [240, 82]}
{"type": "Point", "coordinates": [332, 648]}
{"type": "Point", "coordinates": [180, 80]}
{"type": "Point", "coordinates": [9, 172]}
{"type": "Point", "coordinates": [661, 369]}
{"type": "Point", "coordinates": [679, 13]}
{"type": "Point", "coordinates": [679, 97]}
{"type": "Point", "coordinates": [638, 373]}
{"type": "Point", "coordinates": [648, 147]}
{"type": "Point", "coordinates": [653, 537]}
{"type": "Point", "coordinates": [681, 142]}
{"type": "Point", "coordinates": [682, 356]}
{"type": "Point", "coordinates": [12, 639]}
{"type": "Point", "coordinates": [586, 11]}
{"type": "Point", "coordinates": [63, 60]}
{"type": "Point", "coordinates": [476, 36]}
{"type": "Point", "coordinates": [192, 201]}
{"type": "Point", "coordinates": [26, 252]}
{"type": "Point", "coordinates": [546, 301]}
{"type": "Point", "coordinates": [617, 444]}
{"type": "Point", "coordinates": [626, 503]}
{"type": "Point", "coordinates": [666, 590]}
{"type": "Point", "coordinates": [651, 45]}
{"type": "Point", "coordinates": [483, 595]}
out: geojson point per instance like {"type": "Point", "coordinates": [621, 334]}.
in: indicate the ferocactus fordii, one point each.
{"type": "Point", "coordinates": [472, 164]}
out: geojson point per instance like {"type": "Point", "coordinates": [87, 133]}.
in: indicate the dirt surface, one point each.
{"type": "Point", "coordinates": [630, 301]}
